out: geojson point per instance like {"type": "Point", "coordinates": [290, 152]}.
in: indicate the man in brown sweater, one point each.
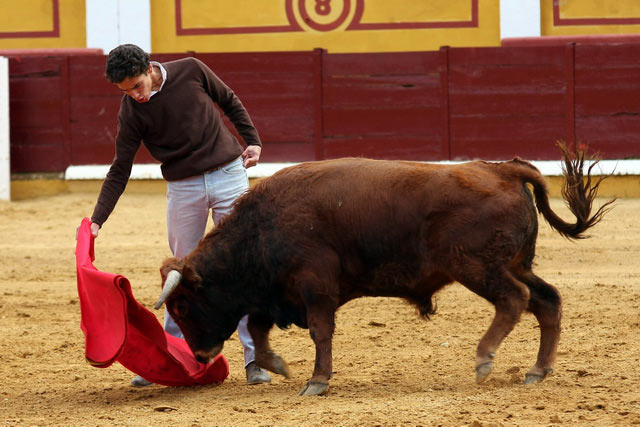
{"type": "Point", "coordinates": [171, 109]}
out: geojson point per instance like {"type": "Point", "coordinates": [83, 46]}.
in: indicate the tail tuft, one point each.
{"type": "Point", "coordinates": [578, 191]}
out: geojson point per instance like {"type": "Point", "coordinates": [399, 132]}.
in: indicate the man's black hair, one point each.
{"type": "Point", "coordinates": [124, 61]}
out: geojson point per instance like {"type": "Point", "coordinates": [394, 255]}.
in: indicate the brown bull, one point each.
{"type": "Point", "coordinates": [312, 237]}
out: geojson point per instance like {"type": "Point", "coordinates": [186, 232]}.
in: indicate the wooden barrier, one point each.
{"type": "Point", "coordinates": [452, 104]}
{"type": "Point", "coordinates": [5, 166]}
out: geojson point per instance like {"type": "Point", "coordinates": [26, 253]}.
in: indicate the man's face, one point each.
{"type": "Point", "coordinates": [138, 87]}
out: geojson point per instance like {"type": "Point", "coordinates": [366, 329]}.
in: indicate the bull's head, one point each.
{"type": "Point", "coordinates": [196, 309]}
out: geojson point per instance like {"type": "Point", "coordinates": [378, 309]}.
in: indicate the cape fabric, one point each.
{"type": "Point", "coordinates": [118, 328]}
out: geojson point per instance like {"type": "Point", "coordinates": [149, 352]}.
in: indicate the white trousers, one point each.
{"type": "Point", "coordinates": [188, 203]}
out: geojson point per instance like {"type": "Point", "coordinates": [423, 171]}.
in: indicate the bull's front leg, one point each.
{"type": "Point", "coordinates": [259, 327]}
{"type": "Point", "coordinates": [321, 321]}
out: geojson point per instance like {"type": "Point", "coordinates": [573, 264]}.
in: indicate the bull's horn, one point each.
{"type": "Point", "coordinates": [170, 285]}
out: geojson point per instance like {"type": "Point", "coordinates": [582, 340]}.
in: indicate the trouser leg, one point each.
{"type": "Point", "coordinates": [224, 186]}
{"type": "Point", "coordinates": [246, 340]}
{"type": "Point", "coordinates": [187, 213]}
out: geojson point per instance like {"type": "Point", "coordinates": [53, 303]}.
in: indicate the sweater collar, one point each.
{"type": "Point", "coordinates": [163, 71]}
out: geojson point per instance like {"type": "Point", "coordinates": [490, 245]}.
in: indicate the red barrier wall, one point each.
{"type": "Point", "coordinates": [38, 111]}
{"type": "Point", "coordinates": [507, 102]}
{"type": "Point", "coordinates": [93, 110]}
{"type": "Point", "coordinates": [456, 103]}
{"type": "Point", "coordinates": [607, 98]}
{"type": "Point", "coordinates": [281, 92]}
{"type": "Point", "coordinates": [383, 105]}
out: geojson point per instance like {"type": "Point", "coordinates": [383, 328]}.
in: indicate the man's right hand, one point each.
{"type": "Point", "coordinates": [95, 228]}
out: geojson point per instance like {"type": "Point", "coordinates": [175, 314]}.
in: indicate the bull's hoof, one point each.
{"type": "Point", "coordinates": [533, 378]}
{"type": "Point", "coordinates": [314, 388]}
{"type": "Point", "coordinates": [536, 377]}
{"type": "Point", "coordinates": [280, 366]}
{"type": "Point", "coordinates": [483, 371]}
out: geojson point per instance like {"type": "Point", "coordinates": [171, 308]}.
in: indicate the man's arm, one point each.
{"type": "Point", "coordinates": [235, 111]}
{"type": "Point", "coordinates": [127, 143]}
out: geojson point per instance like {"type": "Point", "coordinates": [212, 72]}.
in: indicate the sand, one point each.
{"type": "Point", "coordinates": [391, 367]}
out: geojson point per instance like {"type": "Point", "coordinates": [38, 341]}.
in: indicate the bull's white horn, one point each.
{"type": "Point", "coordinates": [170, 285]}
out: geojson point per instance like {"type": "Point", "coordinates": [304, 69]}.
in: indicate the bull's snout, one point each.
{"type": "Point", "coordinates": [205, 356]}
{"type": "Point", "coordinates": [202, 359]}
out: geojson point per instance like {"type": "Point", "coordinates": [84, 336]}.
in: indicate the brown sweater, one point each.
{"type": "Point", "coordinates": [180, 127]}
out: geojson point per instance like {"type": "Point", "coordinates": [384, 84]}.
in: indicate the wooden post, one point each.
{"type": "Point", "coordinates": [318, 103]}
{"type": "Point", "coordinates": [65, 89]}
{"type": "Point", "coordinates": [5, 152]}
{"type": "Point", "coordinates": [570, 54]}
{"type": "Point", "coordinates": [444, 100]}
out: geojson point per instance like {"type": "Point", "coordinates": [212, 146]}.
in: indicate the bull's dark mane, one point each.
{"type": "Point", "coordinates": [250, 253]}
{"type": "Point", "coordinates": [245, 255]}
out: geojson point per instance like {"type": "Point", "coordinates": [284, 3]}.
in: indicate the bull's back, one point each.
{"type": "Point", "coordinates": [388, 209]}
{"type": "Point", "coordinates": [383, 191]}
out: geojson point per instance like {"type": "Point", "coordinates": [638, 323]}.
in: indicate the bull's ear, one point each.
{"type": "Point", "coordinates": [190, 276]}
{"type": "Point", "coordinates": [170, 264]}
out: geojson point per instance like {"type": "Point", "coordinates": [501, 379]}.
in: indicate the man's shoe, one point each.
{"type": "Point", "coordinates": [257, 375]}
{"type": "Point", "coordinates": [138, 381]}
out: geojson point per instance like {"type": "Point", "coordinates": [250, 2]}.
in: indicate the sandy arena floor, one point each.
{"type": "Point", "coordinates": [391, 367]}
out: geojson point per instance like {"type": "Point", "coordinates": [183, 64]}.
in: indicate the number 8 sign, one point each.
{"type": "Point", "coordinates": [325, 15]}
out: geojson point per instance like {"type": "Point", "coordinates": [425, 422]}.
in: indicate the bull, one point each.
{"type": "Point", "coordinates": [312, 237]}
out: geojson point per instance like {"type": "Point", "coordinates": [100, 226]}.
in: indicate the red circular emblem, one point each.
{"type": "Point", "coordinates": [325, 15]}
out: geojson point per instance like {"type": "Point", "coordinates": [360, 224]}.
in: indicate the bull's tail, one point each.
{"type": "Point", "coordinates": [578, 191]}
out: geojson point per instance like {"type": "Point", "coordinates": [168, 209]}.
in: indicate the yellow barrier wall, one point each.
{"type": "Point", "coordinates": [589, 17]}
{"type": "Point", "coordinates": [335, 25]}
{"type": "Point", "coordinates": [39, 24]}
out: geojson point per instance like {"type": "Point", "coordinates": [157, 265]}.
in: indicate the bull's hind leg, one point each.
{"type": "Point", "coordinates": [510, 298]}
{"type": "Point", "coordinates": [259, 327]}
{"type": "Point", "coordinates": [546, 304]}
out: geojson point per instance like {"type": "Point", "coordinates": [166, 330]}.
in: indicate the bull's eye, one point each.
{"type": "Point", "coordinates": [180, 308]}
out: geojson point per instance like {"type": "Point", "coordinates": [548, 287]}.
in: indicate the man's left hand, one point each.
{"type": "Point", "coordinates": [251, 155]}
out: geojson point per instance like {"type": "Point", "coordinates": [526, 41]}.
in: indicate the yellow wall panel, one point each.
{"type": "Point", "coordinates": [335, 25]}
{"type": "Point", "coordinates": [599, 9]}
{"type": "Point", "coordinates": [412, 10]}
{"type": "Point", "coordinates": [32, 24]}
{"type": "Point", "coordinates": [244, 13]}
{"type": "Point", "coordinates": [30, 16]}
{"type": "Point", "coordinates": [589, 17]}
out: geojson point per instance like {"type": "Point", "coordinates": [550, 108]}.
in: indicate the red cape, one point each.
{"type": "Point", "coordinates": [118, 328]}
